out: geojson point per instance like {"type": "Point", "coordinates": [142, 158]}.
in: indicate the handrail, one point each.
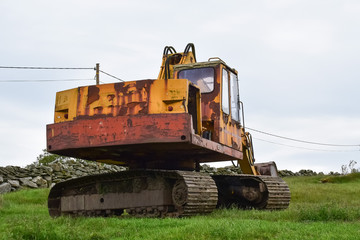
{"type": "Point", "coordinates": [242, 114]}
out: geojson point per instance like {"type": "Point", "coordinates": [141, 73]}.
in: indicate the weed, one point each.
{"type": "Point", "coordinates": [352, 177]}
{"type": "Point", "coordinates": [345, 169]}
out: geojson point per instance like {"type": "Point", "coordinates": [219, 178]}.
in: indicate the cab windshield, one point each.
{"type": "Point", "coordinates": [202, 77]}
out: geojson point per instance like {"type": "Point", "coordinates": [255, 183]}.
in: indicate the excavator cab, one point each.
{"type": "Point", "coordinates": [220, 103]}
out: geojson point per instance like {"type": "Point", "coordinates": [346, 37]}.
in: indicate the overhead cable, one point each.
{"type": "Point", "coordinates": [302, 141]}
{"type": "Point", "coordinates": [47, 68]}
{"type": "Point", "coordinates": [311, 149]}
{"type": "Point", "coordinates": [112, 76]}
{"type": "Point", "coordinates": [44, 80]}
{"type": "Point", "coordinates": [53, 68]}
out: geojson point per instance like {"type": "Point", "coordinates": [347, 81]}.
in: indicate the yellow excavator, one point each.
{"type": "Point", "coordinates": [161, 130]}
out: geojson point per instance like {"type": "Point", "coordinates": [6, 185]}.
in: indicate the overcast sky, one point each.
{"type": "Point", "coordinates": [298, 64]}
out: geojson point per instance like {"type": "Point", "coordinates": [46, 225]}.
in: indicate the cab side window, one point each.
{"type": "Point", "coordinates": [234, 97]}
{"type": "Point", "coordinates": [225, 92]}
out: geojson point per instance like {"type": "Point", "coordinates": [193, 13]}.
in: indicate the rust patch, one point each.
{"type": "Point", "coordinates": [93, 94]}
{"type": "Point", "coordinates": [121, 88]}
{"type": "Point", "coordinates": [143, 84]}
{"type": "Point", "coordinates": [225, 118]}
{"type": "Point", "coordinates": [144, 108]}
{"type": "Point", "coordinates": [215, 110]}
{"type": "Point", "coordinates": [132, 104]}
{"type": "Point", "coordinates": [110, 98]}
{"type": "Point", "coordinates": [78, 101]}
{"type": "Point", "coordinates": [234, 144]}
{"type": "Point", "coordinates": [129, 122]}
{"type": "Point", "coordinates": [160, 138]}
{"type": "Point", "coordinates": [144, 105]}
{"type": "Point", "coordinates": [98, 110]}
{"type": "Point", "coordinates": [235, 123]}
{"type": "Point", "coordinates": [123, 111]}
{"type": "Point", "coordinates": [209, 97]}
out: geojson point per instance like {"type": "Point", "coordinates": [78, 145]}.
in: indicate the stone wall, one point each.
{"type": "Point", "coordinates": [282, 173]}
{"type": "Point", "coordinates": [45, 175]}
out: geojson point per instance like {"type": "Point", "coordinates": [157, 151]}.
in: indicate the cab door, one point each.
{"type": "Point", "coordinates": [230, 132]}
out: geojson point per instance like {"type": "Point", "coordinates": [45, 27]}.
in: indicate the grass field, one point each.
{"type": "Point", "coordinates": [317, 211]}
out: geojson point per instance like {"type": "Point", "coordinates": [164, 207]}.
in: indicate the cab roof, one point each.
{"type": "Point", "coordinates": [212, 62]}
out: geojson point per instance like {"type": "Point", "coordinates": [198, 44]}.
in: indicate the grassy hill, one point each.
{"type": "Point", "coordinates": [317, 211]}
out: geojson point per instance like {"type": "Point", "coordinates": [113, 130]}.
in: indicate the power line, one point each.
{"type": "Point", "coordinates": [56, 68]}
{"type": "Point", "coordinates": [44, 80]}
{"type": "Point", "coordinates": [47, 68]}
{"type": "Point", "coordinates": [311, 149]}
{"type": "Point", "coordinates": [302, 141]}
{"type": "Point", "coordinates": [112, 76]}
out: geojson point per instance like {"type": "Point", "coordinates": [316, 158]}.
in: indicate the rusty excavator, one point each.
{"type": "Point", "coordinates": [161, 130]}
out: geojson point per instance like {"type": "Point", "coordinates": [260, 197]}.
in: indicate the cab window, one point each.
{"type": "Point", "coordinates": [201, 77]}
{"type": "Point", "coordinates": [225, 92]}
{"type": "Point", "coordinates": [234, 88]}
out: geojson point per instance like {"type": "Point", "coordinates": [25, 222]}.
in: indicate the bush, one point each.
{"type": "Point", "coordinates": [47, 157]}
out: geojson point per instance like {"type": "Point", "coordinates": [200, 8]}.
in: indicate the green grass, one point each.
{"type": "Point", "coordinates": [342, 178]}
{"type": "Point", "coordinates": [317, 211]}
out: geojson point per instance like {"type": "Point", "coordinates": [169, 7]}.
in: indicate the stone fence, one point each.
{"type": "Point", "coordinates": [282, 173]}
{"type": "Point", "coordinates": [46, 175]}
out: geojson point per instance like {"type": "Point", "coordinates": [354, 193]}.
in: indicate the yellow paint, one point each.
{"type": "Point", "coordinates": [247, 163]}
{"type": "Point", "coordinates": [166, 93]}
{"type": "Point", "coordinates": [65, 105]}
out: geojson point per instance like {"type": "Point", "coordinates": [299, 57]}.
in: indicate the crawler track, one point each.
{"type": "Point", "coordinates": [162, 193]}
{"type": "Point", "coordinates": [151, 193]}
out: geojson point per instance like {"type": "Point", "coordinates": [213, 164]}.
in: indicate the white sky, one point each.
{"type": "Point", "coordinates": [298, 64]}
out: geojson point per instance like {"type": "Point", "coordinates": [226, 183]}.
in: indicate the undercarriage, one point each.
{"type": "Point", "coordinates": [164, 193]}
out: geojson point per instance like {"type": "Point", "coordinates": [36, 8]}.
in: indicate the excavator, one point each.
{"type": "Point", "coordinates": [161, 130]}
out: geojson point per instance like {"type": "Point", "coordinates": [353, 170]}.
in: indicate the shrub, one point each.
{"type": "Point", "coordinates": [47, 157]}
